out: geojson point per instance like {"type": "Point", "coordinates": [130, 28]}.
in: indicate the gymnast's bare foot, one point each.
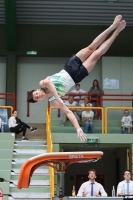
{"type": "Point", "coordinates": [116, 22]}
{"type": "Point", "coordinates": [121, 26]}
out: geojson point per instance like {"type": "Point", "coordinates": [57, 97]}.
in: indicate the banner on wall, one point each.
{"type": "Point", "coordinates": [3, 120]}
{"type": "Point", "coordinates": [111, 83]}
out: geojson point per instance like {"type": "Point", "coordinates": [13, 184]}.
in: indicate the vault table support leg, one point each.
{"type": "Point", "coordinates": [60, 183]}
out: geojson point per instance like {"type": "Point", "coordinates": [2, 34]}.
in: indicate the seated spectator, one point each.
{"type": "Point", "coordinates": [95, 90]}
{"type": "Point", "coordinates": [126, 122]}
{"type": "Point", "coordinates": [17, 126]}
{"type": "Point", "coordinates": [77, 91]}
{"type": "Point", "coordinates": [87, 120]}
{"type": "Point", "coordinates": [70, 102]}
{"type": "Point", "coordinates": [86, 101]}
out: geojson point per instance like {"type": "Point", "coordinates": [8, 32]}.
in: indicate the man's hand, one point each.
{"type": "Point", "coordinates": [81, 135]}
{"type": "Point", "coordinates": [97, 195]}
{"type": "Point", "coordinates": [83, 194]}
{"type": "Point", "coordinates": [120, 194]}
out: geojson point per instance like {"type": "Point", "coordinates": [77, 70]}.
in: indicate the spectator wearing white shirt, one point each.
{"type": "Point", "coordinates": [125, 187]}
{"type": "Point", "coordinates": [0, 123]}
{"type": "Point", "coordinates": [77, 91]}
{"type": "Point", "coordinates": [87, 120]}
{"type": "Point", "coordinates": [126, 122]}
{"type": "Point", "coordinates": [86, 102]}
{"type": "Point", "coordinates": [91, 187]}
{"type": "Point", "coordinates": [70, 102]}
{"type": "Point", "coordinates": [16, 126]}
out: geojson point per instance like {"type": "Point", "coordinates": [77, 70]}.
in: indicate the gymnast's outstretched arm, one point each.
{"type": "Point", "coordinates": [72, 118]}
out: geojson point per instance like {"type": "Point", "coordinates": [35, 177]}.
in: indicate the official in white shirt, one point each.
{"type": "Point", "coordinates": [84, 104]}
{"type": "Point", "coordinates": [91, 187]}
{"type": "Point", "coordinates": [125, 187]}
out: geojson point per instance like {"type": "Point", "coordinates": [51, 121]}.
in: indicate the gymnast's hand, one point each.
{"type": "Point", "coordinates": [81, 135]}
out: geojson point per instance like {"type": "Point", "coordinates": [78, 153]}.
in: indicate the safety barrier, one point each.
{"type": "Point", "coordinates": [113, 108]}
{"type": "Point", "coordinates": [50, 149]}
{"type": "Point", "coordinates": [98, 98]}
{"type": "Point", "coordinates": [115, 97]}
{"type": "Point", "coordinates": [9, 96]}
{"type": "Point", "coordinates": [78, 99]}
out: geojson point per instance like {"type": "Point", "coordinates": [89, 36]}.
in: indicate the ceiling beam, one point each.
{"type": "Point", "coordinates": [10, 19]}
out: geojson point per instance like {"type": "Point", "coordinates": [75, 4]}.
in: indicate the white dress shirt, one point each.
{"type": "Point", "coordinates": [74, 103]}
{"type": "Point", "coordinates": [78, 92]}
{"type": "Point", "coordinates": [122, 187]}
{"type": "Point", "coordinates": [86, 188]}
{"type": "Point", "coordinates": [12, 122]}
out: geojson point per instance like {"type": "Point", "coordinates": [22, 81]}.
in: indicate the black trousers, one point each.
{"type": "Point", "coordinates": [20, 128]}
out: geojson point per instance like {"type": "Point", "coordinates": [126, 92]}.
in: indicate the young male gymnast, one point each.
{"type": "Point", "coordinates": [75, 70]}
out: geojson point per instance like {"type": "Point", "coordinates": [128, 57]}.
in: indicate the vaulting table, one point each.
{"type": "Point", "coordinates": [53, 160]}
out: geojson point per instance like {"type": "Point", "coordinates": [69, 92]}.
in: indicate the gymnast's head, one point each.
{"type": "Point", "coordinates": [35, 96]}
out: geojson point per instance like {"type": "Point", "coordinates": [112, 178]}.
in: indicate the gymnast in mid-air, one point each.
{"type": "Point", "coordinates": [75, 70]}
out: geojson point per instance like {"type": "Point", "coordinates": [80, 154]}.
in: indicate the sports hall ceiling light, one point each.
{"type": "Point", "coordinates": [111, 1]}
{"type": "Point", "coordinates": [31, 52]}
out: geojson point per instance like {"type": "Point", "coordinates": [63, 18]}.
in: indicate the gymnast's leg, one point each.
{"type": "Point", "coordinates": [86, 52]}
{"type": "Point", "coordinates": [91, 61]}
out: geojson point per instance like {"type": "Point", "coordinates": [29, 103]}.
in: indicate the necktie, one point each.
{"type": "Point", "coordinates": [92, 189]}
{"type": "Point", "coordinates": [127, 188]}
